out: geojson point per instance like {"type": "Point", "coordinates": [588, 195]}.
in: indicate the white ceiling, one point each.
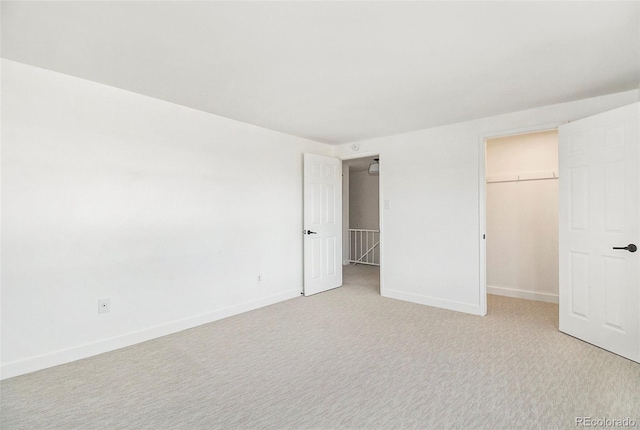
{"type": "Point", "coordinates": [337, 72]}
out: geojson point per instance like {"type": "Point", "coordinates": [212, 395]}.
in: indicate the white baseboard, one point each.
{"type": "Point", "coordinates": [430, 301]}
{"type": "Point", "coordinates": [32, 364]}
{"type": "Point", "coordinates": [521, 294]}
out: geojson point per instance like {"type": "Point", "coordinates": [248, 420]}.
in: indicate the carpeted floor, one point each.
{"type": "Point", "coordinates": [344, 359]}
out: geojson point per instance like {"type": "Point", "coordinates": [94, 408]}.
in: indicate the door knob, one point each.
{"type": "Point", "coordinates": [309, 232]}
{"type": "Point", "coordinates": [631, 248]}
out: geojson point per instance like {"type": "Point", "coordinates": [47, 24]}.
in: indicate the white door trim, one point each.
{"type": "Point", "coordinates": [482, 199]}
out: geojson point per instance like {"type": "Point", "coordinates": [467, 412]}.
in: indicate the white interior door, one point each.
{"type": "Point", "coordinates": [322, 223]}
{"type": "Point", "coordinates": [599, 211]}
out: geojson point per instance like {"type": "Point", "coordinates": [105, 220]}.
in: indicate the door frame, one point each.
{"type": "Point", "coordinates": [482, 192]}
{"type": "Point", "coordinates": [380, 205]}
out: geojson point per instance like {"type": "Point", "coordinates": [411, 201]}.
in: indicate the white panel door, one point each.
{"type": "Point", "coordinates": [322, 223]}
{"type": "Point", "coordinates": [599, 211]}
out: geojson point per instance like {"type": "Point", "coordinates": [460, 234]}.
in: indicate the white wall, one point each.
{"type": "Point", "coordinates": [169, 212]}
{"type": "Point", "coordinates": [522, 216]}
{"type": "Point", "coordinates": [363, 200]}
{"type": "Point", "coordinates": [432, 230]}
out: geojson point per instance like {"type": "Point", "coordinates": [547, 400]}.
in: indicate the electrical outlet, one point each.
{"type": "Point", "coordinates": [104, 306]}
{"type": "Point", "coordinates": [259, 278]}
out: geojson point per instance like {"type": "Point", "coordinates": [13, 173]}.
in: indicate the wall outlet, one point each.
{"type": "Point", "coordinates": [104, 306]}
{"type": "Point", "coordinates": [259, 278]}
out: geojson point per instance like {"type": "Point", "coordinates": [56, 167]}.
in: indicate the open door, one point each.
{"type": "Point", "coordinates": [600, 229]}
{"type": "Point", "coordinates": [322, 223]}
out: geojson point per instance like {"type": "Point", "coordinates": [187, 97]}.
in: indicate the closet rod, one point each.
{"type": "Point", "coordinates": [523, 176]}
{"type": "Point", "coordinates": [519, 180]}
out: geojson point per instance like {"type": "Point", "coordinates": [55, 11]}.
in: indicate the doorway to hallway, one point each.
{"type": "Point", "coordinates": [361, 222]}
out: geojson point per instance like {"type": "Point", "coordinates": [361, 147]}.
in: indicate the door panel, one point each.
{"type": "Point", "coordinates": [600, 210]}
{"type": "Point", "coordinates": [323, 217]}
{"type": "Point", "coordinates": [580, 285]}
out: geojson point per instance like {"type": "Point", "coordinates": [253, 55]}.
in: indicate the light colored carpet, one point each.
{"type": "Point", "coordinates": [347, 358]}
